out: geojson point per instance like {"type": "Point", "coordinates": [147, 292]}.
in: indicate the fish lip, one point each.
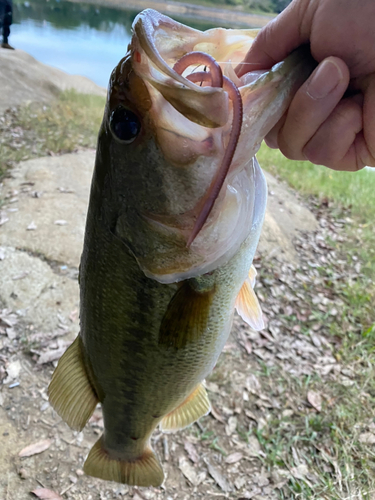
{"type": "Point", "coordinates": [152, 60]}
{"type": "Point", "coordinates": [145, 26]}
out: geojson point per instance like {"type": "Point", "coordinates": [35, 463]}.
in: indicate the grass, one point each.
{"type": "Point", "coordinates": [327, 442]}
{"type": "Point", "coordinates": [36, 130]}
{"type": "Point", "coordinates": [340, 466]}
{"type": "Point", "coordinates": [348, 189]}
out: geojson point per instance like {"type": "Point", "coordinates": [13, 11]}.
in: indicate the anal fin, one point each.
{"type": "Point", "coordinates": [70, 391]}
{"type": "Point", "coordinates": [194, 407]}
{"type": "Point", "coordinates": [144, 470]}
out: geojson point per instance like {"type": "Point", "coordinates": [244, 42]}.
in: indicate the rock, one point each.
{"type": "Point", "coordinates": [43, 296]}
{"type": "Point", "coordinates": [24, 79]}
{"type": "Point", "coordinates": [64, 182]}
{"type": "Point", "coordinates": [30, 278]}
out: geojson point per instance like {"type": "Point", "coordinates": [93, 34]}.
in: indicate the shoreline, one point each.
{"type": "Point", "coordinates": [235, 18]}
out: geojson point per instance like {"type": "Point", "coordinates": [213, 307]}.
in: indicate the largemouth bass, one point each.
{"type": "Point", "coordinates": [176, 208]}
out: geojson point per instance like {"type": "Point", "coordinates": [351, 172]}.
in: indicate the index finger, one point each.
{"type": "Point", "coordinates": [278, 38]}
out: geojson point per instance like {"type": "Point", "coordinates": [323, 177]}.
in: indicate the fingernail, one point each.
{"type": "Point", "coordinates": [324, 80]}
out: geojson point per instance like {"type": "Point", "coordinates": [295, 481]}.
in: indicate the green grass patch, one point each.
{"type": "Point", "coordinates": [69, 122]}
{"type": "Point", "coordinates": [328, 444]}
{"type": "Point", "coordinates": [354, 190]}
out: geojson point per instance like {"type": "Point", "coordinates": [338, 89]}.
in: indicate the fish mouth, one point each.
{"type": "Point", "coordinates": [158, 43]}
{"type": "Point", "coordinates": [204, 104]}
{"type": "Point", "coordinates": [198, 100]}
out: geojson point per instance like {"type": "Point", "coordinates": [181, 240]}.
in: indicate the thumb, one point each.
{"type": "Point", "coordinates": [278, 38]}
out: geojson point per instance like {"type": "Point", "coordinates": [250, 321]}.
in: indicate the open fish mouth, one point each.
{"type": "Point", "coordinates": [210, 80]}
{"type": "Point", "coordinates": [208, 124]}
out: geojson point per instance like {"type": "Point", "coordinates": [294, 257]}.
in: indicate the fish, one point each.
{"type": "Point", "coordinates": [176, 209]}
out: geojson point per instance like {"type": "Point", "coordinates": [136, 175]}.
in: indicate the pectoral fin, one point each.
{"type": "Point", "coordinates": [186, 317]}
{"type": "Point", "coordinates": [248, 306]}
{"type": "Point", "coordinates": [252, 276]}
{"type": "Point", "coordinates": [194, 407]}
{"type": "Point", "coordinates": [70, 391]}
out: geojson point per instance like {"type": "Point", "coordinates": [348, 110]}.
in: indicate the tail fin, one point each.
{"type": "Point", "coordinates": [142, 471]}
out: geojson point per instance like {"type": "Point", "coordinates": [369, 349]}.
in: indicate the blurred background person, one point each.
{"type": "Point", "coordinates": [6, 9]}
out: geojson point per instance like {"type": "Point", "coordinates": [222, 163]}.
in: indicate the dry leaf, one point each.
{"type": "Point", "coordinates": [232, 426]}
{"type": "Point", "coordinates": [218, 477]}
{"type": "Point", "coordinates": [367, 438]}
{"type": "Point", "coordinates": [137, 496]}
{"type": "Point", "coordinates": [191, 451]}
{"type": "Point", "coordinates": [11, 333]}
{"type": "Point", "coordinates": [13, 371]}
{"type": "Point", "coordinates": [300, 472]}
{"type": "Point", "coordinates": [245, 342]}
{"type": "Point", "coordinates": [254, 447]}
{"type": "Point", "coordinates": [315, 399]}
{"type": "Point", "coordinates": [240, 482]}
{"type": "Point", "coordinates": [3, 218]}
{"type": "Point", "coordinates": [20, 276]}
{"type": "Point", "coordinates": [216, 414]}
{"type": "Point", "coordinates": [254, 493]}
{"type": "Point", "coordinates": [52, 355]}
{"type": "Point", "coordinates": [234, 457]}
{"type": "Point", "coordinates": [262, 479]}
{"type": "Point", "coordinates": [35, 448]}
{"type": "Point", "coordinates": [253, 384]}
{"type": "Point", "coordinates": [46, 494]}
{"type": "Point", "coordinates": [7, 317]}
{"type": "Point", "coordinates": [189, 472]}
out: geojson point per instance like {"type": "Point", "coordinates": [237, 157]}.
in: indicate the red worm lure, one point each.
{"type": "Point", "coordinates": [216, 79]}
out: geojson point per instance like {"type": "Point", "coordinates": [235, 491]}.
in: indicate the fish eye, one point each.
{"type": "Point", "coordinates": [125, 124]}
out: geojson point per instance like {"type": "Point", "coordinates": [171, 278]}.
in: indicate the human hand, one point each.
{"type": "Point", "coordinates": [321, 124]}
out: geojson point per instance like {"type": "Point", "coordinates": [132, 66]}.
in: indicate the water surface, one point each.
{"type": "Point", "coordinates": [77, 38]}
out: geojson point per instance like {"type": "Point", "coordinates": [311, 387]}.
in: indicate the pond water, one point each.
{"type": "Point", "coordinates": [78, 38]}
